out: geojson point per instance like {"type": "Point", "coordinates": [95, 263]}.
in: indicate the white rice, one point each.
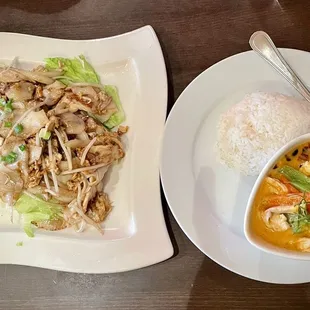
{"type": "Point", "coordinates": [251, 131]}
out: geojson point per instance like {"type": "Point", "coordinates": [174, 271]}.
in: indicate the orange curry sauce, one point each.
{"type": "Point", "coordinates": [267, 198]}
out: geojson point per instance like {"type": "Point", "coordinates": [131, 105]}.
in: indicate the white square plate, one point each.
{"type": "Point", "coordinates": [135, 232]}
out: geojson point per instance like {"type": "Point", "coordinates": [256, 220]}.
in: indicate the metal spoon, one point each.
{"type": "Point", "coordinates": [262, 44]}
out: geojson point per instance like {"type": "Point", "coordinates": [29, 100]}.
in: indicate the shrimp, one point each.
{"type": "Point", "coordinates": [289, 186]}
{"type": "Point", "coordinates": [275, 186]}
{"type": "Point", "coordinates": [275, 219]}
{"type": "Point", "coordinates": [292, 189]}
{"type": "Point", "coordinates": [305, 168]}
{"type": "Point", "coordinates": [304, 244]}
{"type": "Point", "coordinates": [286, 200]}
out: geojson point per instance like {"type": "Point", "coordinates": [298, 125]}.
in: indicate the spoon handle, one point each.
{"type": "Point", "coordinates": [262, 44]}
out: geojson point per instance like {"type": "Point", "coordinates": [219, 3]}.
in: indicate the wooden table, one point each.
{"type": "Point", "coordinates": [194, 35]}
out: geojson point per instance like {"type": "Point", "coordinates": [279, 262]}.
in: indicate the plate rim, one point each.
{"type": "Point", "coordinates": [142, 254]}
{"type": "Point", "coordinates": [165, 190]}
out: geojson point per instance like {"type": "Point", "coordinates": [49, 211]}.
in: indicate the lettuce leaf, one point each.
{"type": "Point", "coordinates": [74, 70]}
{"type": "Point", "coordinates": [36, 210]}
{"type": "Point", "coordinates": [78, 70]}
{"type": "Point", "coordinates": [118, 117]}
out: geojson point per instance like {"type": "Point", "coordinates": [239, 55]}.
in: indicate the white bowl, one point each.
{"type": "Point", "coordinates": [250, 235]}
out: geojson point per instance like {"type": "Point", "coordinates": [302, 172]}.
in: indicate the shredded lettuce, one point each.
{"type": "Point", "coordinates": [74, 70]}
{"type": "Point", "coordinates": [36, 210]}
{"type": "Point", "coordinates": [118, 117]}
{"type": "Point", "coordinates": [78, 70]}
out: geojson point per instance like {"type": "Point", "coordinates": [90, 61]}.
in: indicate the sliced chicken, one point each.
{"type": "Point", "coordinates": [101, 109]}
{"type": "Point", "coordinates": [33, 76]}
{"type": "Point", "coordinates": [93, 126]}
{"type": "Point", "coordinates": [86, 92]}
{"type": "Point", "coordinates": [73, 123]}
{"type": "Point", "coordinates": [33, 122]}
{"type": "Point", "coordinates": [67, 103]}
{"type": "Point", "coordinates": [101, 101]}
{"type": "Point", "coordinates": [43, 71]}
{"type": "Point", "coordinates": [20, 91]}
{"type": "Point", "coordinates": [10, 76]}
{"type": "Point", "coordinates": [54, 92]}
{"type": "Point", "coordinates": [103, 154]}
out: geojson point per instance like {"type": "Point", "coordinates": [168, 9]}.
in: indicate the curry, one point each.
{"type": "Point", "coordinates": [281, 210]}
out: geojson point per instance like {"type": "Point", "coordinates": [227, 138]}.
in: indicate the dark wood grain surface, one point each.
{"type": "Point", "coordinates": [194, 35]}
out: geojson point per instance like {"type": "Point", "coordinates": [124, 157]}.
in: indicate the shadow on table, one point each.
{"type": "Point", "coordinates": [215, 288]}
{"type": "Point", "coordinates": [169, 76]}
{"type": "Point", "coordinates": [168, 224]}
{"type": "Point", "coordinates": [169, 106]}
{"type": "Point", "coordinates": [34, 6]}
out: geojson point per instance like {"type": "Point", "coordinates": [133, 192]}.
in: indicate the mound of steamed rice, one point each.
{"type": "Point", "coordinates": [251, 131]}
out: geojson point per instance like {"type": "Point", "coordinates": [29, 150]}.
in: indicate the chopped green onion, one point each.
{"type": "Point", "coordinates": [8, 124]}
{"type": "Point", "coordinates": [8, 107]}
{"type": "Point", "coordinates": [19, 128]}
{"type": "Point", "coordinates": [20, 243]}
{"type": "Point", "coordinates": [301, 220]}
{"type": "Point", "coordinates": [44, 134]}
{"type": "Point", "coordinates": [10, 158]}
{"type": "Point", "coordinates": [22, 147]}
{"type": "Point", "coordinates": [8, 110]}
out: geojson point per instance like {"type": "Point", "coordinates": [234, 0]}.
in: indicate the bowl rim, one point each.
{"type": "Point", "coordinates": [255, 240]}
